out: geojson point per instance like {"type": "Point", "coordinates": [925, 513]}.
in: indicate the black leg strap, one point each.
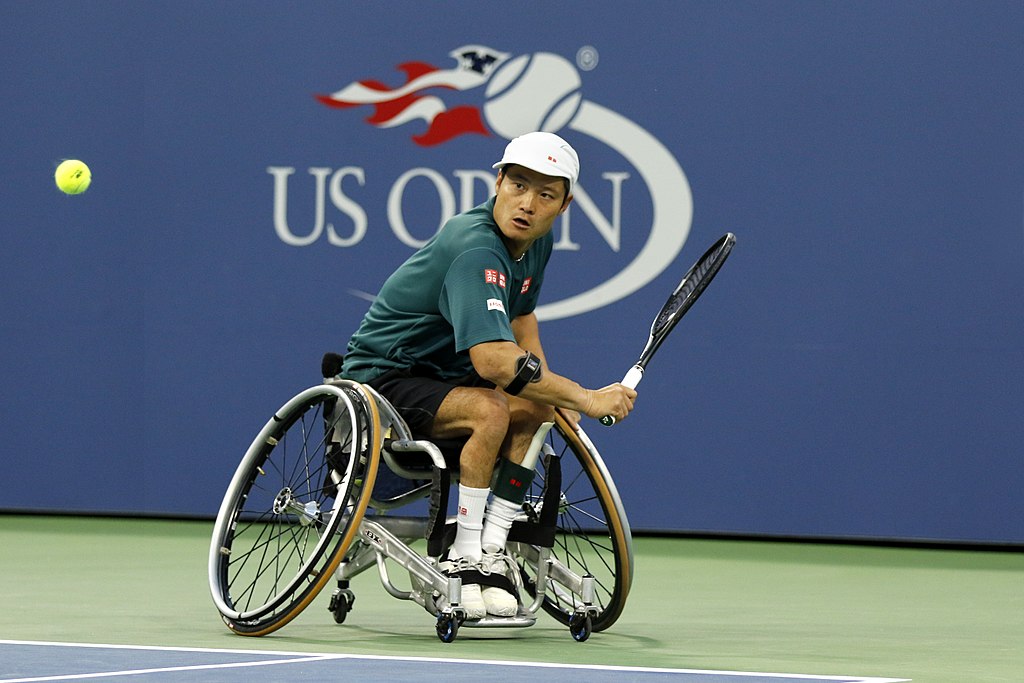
{"type": "Point", "coordinates": [496, 580]}
{"type": "Point", "coordinates": [541, 532]}
{"type": "Point", "coordinates": [441, 481]}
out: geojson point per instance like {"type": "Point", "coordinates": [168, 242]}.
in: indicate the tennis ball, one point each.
{"type": "Point", "coordinates": [73, 177]}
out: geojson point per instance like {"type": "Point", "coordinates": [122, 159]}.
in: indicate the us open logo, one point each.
{"type": "Point", "coordinates": [515, 94]}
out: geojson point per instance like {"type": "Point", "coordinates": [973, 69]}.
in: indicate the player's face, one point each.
{"type": "Point", "coordinates": [527, 205]}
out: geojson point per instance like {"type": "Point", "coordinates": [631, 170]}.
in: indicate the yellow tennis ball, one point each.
{"type": "Point", "coordinates": [73, 177]}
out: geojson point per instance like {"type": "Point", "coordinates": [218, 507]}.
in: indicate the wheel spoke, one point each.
{"type": "Point", "coordinates": [283, 538]}
{"type": "Point", "coordinates": [588, 539]}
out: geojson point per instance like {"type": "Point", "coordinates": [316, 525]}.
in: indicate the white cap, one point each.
{"type": "Point", "coordinates": [545, 153]}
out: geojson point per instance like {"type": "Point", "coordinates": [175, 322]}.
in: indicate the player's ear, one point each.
{"type": "Point", "coordinates": [565, 204]}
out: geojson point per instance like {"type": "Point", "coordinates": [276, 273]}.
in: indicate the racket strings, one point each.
{"type": "Point", "coordinates": [690, 285]}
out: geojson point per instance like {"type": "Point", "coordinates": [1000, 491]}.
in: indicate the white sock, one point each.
{"type": "Point", "coordinates": [497, 522]}
{"type": "Point", "coordinates": [470, 520]}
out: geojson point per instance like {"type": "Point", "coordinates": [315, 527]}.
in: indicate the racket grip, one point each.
{"type": "Point", "coordinates": [631, 380]}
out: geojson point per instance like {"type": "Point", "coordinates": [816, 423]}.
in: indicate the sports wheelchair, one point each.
{"type": "Point", "coordinates": [310, 503]}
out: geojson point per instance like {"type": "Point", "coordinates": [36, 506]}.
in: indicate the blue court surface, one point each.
{"type": "Point", "coordinates": [25, 661]}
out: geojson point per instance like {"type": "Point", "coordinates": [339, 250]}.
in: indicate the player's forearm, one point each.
{"type": "Point", "coordinates": [559, 391]}
{"type": "Point", "coordinates": [497, 361]}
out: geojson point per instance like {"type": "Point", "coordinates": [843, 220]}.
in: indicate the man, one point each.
{"type": "Point", "coordinates": [453, 343]}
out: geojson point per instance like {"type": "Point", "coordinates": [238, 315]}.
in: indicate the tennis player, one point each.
{"type": "Point", "coordinates": [453, 343]}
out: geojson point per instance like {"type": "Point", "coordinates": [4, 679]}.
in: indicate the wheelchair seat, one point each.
{"type": "Point", "coordinates": [406, 463]}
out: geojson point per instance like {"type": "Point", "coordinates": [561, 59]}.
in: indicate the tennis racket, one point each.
{"type": "Point", "coordinates": [689, 290]}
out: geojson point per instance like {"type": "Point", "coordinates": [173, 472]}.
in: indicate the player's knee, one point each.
{"type": "Point", "coordinates": [490, 413]}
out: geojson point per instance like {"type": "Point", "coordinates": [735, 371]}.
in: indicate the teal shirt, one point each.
{"type": "Point", "coordinates": [461, 289]}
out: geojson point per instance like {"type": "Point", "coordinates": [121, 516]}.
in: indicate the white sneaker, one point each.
{"type": "Point", "coordinates": [472, 599]}
{"type": "Point", "coordinates": [498, 601]}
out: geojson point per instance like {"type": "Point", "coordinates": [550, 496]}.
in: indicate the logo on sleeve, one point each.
{"type": "Point", "coordinates": [526, 286]}
{"type": "Point", "coordinates": [495, 305]}
{"type": "Point", "coordinates": [494, 277]}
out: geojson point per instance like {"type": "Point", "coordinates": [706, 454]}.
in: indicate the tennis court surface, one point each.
{"type": "Point", "coordinates": [88, 598]}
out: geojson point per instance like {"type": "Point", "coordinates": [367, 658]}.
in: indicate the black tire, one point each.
{"type": "Point", "coordinates": [592, 535]}
{"type": "Point", "coordinates": [294, 507]}
{"type": "Point", "coordinates": [341, 604]}
{"type": "Point", "coordinates": [580, 626]}
{"type": "Point", "coordinates": [447, 628]}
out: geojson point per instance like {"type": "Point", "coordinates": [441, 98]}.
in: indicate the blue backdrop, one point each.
{"type": "Point", "coordinates": [857, 369]}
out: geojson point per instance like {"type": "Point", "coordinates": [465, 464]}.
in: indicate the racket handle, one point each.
{"type": "Point", "coordinates": [631, 380]}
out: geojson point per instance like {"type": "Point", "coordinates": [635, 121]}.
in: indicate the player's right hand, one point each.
{"type": "Point", "coordinates": [615, 399]}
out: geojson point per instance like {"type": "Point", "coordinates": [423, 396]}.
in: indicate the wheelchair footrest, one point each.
{"type": "Point", "coordinates": [521, 620]}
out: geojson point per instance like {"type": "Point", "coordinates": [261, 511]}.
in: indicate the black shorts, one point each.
{"type": "Point", "coordinates": [418, 397]}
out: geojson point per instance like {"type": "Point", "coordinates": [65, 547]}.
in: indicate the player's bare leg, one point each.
{"type": "Point", "coordinates": [482, 415]}
{"type": "Point", "coordinates": [509, 488]}
{"type": "Point", "coordinates": [525, 418]}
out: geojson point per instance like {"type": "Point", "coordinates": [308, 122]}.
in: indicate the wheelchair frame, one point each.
{"type": "Point", "coordinates": [296, 514]}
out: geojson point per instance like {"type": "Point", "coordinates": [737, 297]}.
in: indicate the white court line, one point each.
{"type": "Point", "coordinates": [440, 660]}
{"type": "Point", "coordinates": [166, 669]}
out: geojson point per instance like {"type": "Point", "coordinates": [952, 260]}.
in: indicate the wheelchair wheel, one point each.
{"type": "Point", "coordinates": [294, 507]}
{"type": "Point", "coordinates": [592, 535]}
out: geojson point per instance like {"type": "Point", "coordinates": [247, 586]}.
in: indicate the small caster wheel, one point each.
{"type": "Point", "coordinates": [341, 604]}
{"type": "Point", "coordinates": [581, 626]}
{"type": "Point", "coordinates": [447, 627]}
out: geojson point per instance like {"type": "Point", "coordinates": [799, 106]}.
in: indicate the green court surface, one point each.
{"type": "Point", "coordinates": [941, 616]}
